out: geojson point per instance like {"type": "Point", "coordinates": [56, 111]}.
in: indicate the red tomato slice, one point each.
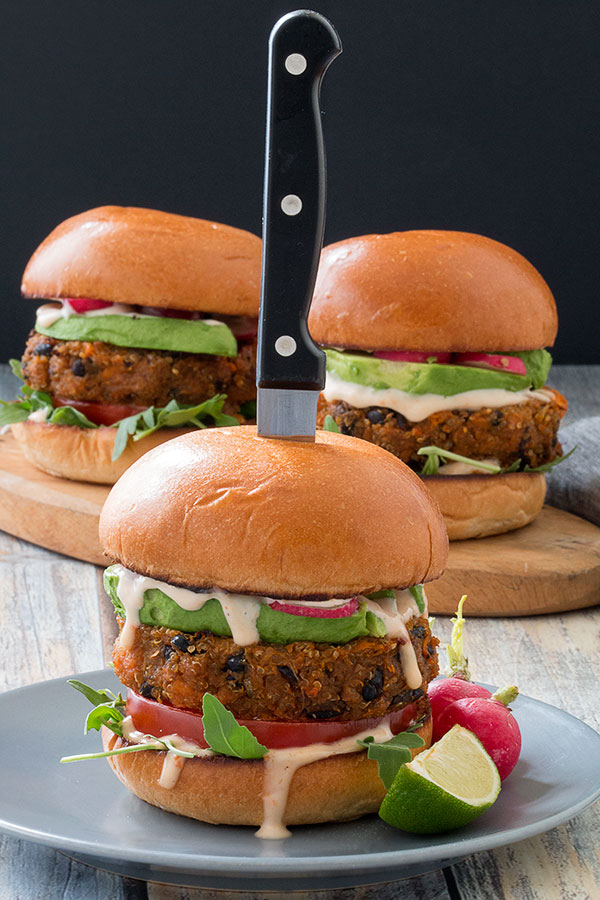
{"type": "Point", "coordinates": [417, 356]}
{"type": "Point", "coordinates": [159, 719]}
{"type": "Point", "coordinates": [83, 304]}
{"type": "Point", "coordinates": [101, 413]}
{"type": "Point", "coordinates": [495, 361]}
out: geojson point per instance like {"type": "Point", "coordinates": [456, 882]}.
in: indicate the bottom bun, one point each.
{"type": "Point", "coordinates": [226, 791]}
{"type": "Point", "coordinates": [477, 506]}
{"type": "Point", "coordinates": [83, 454]}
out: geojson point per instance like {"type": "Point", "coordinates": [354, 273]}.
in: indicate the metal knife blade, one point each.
{"type": "Point", "coordinates": [290, 366]}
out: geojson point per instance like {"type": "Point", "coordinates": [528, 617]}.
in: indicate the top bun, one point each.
{"type": "Point", "coordinates": [143, 256]}
{"type": "Point", "coordinates": [430, 290]}
{"type": "Point", "coordinates": [227, 508]}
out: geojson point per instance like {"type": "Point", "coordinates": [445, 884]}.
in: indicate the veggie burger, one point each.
{"type": "Point", "coordinates": [436, 353]}
{"type": "Point", "coordinates": [150, 329]}
{"type": "Point", "coordinates": [274, 636]}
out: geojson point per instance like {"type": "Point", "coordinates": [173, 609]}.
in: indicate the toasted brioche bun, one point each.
{"type": "Point", "coordinates": [83, 454]}
{"type": "Point", "coordinates": [430, 290]}
{"type": "Point", "coordinates": [222, 790]}
{"type": "Point", "coordinates": [227, 508]}
{"type": "Point", "coordinates": [151, 258]}
{"type": "Point", "coordinates": [476, 506]}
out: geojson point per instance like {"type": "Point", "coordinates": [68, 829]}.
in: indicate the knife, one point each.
{"type": "Point", "coordinates": [290, 366]}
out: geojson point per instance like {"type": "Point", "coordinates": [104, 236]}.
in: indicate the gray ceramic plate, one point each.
{"type": "Point", "coordinates": [83, 810]}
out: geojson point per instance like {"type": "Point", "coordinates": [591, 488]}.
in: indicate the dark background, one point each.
{"type": "Point", "coordinates": [474, 115]}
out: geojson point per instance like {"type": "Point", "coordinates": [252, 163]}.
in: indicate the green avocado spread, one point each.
{"type": "Point", "coordinates": [147, 332]}
{"type": "Point", "coordinates": [275, 627]}
{"type": "Point", "coordinates": [435, 378]}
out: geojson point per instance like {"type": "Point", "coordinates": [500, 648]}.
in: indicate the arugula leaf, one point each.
{"type": "Point", "coordinates": [172, 415]}
{"type": "Point", "coordinates": [11, 413]}
{"type": "Point", "coordinates": [15, 367]}
{"type": "Point", "coordinates": [66, 415]}
{"type": "Point", "coordinates": [108, 708]}
{"type": "Point", "coordinates": [331, 425]}
{"type": "Point", "coordinates": [392, 754]}
{"type": "Point", "coordinates": [223, 734]}
{"type": "Point", "coordinates": [248, 409]}
{"type": "Point", "coordinates": [434, 454]}
{"type": "Point", "coordinates": [550, 465]}
{"type": "Point", "coordinates": [417, 592]}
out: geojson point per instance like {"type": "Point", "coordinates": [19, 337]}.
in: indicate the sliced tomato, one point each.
{"type": "Point", "coordinates": [84, 304]}
{"type": "Point", "coordinates": [417, 356]}
{"type": "Point", "coordinates": [497, 361]}
{"type": "Point", "coordinates": [158, 719]}
{"type": "Point", "coordinates": [101, 413]}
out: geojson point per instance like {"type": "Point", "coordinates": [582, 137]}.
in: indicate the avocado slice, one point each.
{"type": "Point", "coordinates": [433, 378]}
{"type": "Point", "coordinates": [146, 332]}
{"type": "Point", "coordinates": [274, 627]}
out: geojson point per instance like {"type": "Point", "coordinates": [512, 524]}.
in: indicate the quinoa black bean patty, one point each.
{"type": "Point", "coordinates": [526, 431]}
{"type": "Point", "coordinates": [300, 681]}
{"type": "Point", "coordinates": [96, 372]}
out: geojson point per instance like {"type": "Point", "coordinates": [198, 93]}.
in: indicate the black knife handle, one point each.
{"type": "Point", "coordinates": [301, 47]}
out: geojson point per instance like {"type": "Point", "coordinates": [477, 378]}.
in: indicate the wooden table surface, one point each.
{"type": "Point", "coordinates": [56, 620]}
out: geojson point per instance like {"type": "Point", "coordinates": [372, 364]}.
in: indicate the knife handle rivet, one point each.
{"type": "Point", "coordinates": [295, 63]}
{"type": "Point", "coordinates": [291, 204]}
{"type": "Point", "coordinates": [285, 345]}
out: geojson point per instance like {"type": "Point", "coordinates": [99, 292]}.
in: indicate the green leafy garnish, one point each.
{"type": "Point", "coordinates": [418, 596]}
{"type": "Point", "coordinates": [223, 734]}
{"type": "Point", "coordinates": [435, 454]}
{"type": "Point", "coordinates": [375, 625]}
{"type": "Point", "coordinates": [31, 401]}
{"type": "Point", "coordinates": [329, 424]}
{"type": "Point", "coordinates": [392, 754]}
{"type": "Point", "coordinates": [172, 415]}
{"type": "Point", "coordinates": [248, 409]}
{"type": "Point", "coordinates": [137, 426]}
{"type": "Point", "coordinates": [108, 708]}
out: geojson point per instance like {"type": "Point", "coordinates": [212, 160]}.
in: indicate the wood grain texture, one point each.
{"type": "Point", "coordinates": [55, 513]}
{"type": "Point", "coordinates": [551, 565]}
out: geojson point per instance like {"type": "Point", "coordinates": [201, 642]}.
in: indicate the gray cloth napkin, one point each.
{"type": "Point", "coordinates": [575, 484]}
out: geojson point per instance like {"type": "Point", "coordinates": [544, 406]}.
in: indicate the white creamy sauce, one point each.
{"type": "Point", "coordinates": [173, 763]}
{"type": "Point", "coordinates": [281, 765]}
{"type": "Point", "coordinates": [395, 612]}
{"type": "Point", "coordinates": [241, 610]}
{"type": "Point", "coordinates": [416, 407]}
{"type": "Point", "coordinates": [39, 415]}
{"type": "Point", "coordinates": [48, 314]}
{"type": "Point", "coordinates": [461, 468]}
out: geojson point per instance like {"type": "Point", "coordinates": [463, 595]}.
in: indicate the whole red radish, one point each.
{"type": "Point", "coordinates": [491, 720]}
{"type": "Point", "coordinates": [458, 685]}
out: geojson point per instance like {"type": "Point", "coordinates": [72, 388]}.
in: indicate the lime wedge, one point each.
{"type": "Point", "coordinates": [445, 787]}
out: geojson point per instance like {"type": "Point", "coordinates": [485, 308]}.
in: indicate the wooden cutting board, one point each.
{"type": "Point", "coordinates": [552, 565]}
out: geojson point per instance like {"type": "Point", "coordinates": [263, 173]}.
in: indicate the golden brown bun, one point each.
{"type": "Point", "coordinates": [476, 506]}
{"type": "Point", "coordinates": [430, 290]}
{"type": "Point", "coordinates": [83, 454]}
{"type": "Point", "coordinates": [226, 791]}
{"type": "Point", "coordinates": [147, 257]}
{"type": "Point", "coordinates": [227, 508]}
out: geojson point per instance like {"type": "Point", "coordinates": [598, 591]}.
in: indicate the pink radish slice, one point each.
{"type": "Point", "coordinates": [316, 612]}
{"type": "Point", "coordinates": [82, 304]}
{"type": "Point", "coordinates": [492, 722]}
{"type": "Point", "coordinates": [417, 356]}
{"type": "Point", "coordinates": [496, 361]}
{"type": "Point", "coordinates": [170, 313]}
{"type": "Point", "coordinates": [444, 691]}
